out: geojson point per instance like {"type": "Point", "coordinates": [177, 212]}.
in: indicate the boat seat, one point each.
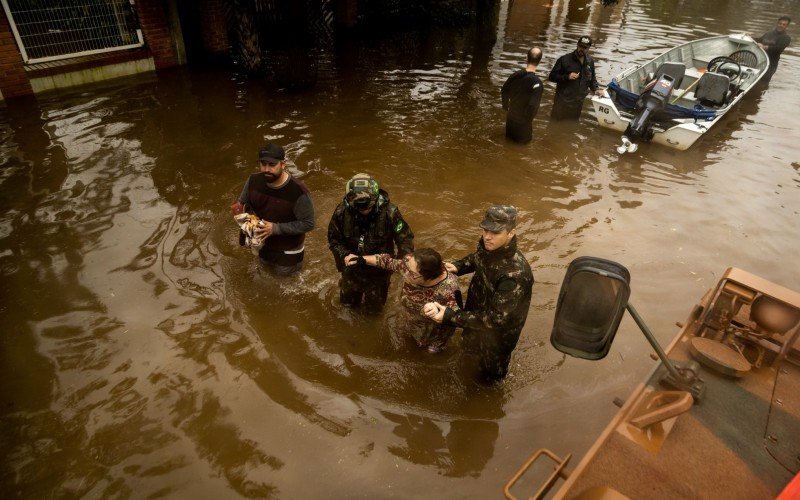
{"type": "Point", "coordinates": [674, 69]}
{"type": "Point", "coordinates": [712, 89]}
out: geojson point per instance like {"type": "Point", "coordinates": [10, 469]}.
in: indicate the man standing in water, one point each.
{"type": "Point", "coordinates": [498, 298]}
{"type": "Point", "coordinates": [521, 95]}
{"type": "Point", "coordinates": [574, 76]}
{"type": "Point", "coordinates": [366, 223]}
{"type": "Point", "coordinates": [284, 204]}
{"type": "Point", "coordinates": [774, 42]}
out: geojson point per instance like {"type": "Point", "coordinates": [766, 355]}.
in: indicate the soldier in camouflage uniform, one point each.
{"type": "Point", "coordinates": [498, 298]}
{"type": "Point", "coordinates": [366, 223]}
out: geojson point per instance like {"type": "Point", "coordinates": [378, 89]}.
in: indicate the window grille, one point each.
{"type": "Point", "coordinates": [49, 30]}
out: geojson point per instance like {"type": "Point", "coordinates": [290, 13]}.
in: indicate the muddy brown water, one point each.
{"type": "Point", "coordinates": [145, 354]}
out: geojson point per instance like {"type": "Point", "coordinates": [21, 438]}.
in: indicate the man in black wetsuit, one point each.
{"type": "Point", "coordinates": [521, 95]}
{"type": "Point", "coordinates": [774, 42]}
{"type": "Point", "coordinates": [574, 76]}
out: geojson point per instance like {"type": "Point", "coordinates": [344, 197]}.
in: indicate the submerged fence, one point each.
{"type": "Point", "coordinates": [49, 30]}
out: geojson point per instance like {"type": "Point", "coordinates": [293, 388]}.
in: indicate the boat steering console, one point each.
{"type": "Point", "coordinates": [726, 66]}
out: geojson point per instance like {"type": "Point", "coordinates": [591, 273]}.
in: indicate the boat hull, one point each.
{"type": "Point", "coordinates": [682, 133]}
{"type": "Point", "coordinates": [680, 137]}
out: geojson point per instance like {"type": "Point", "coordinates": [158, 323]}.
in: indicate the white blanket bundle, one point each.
{"type": "Point", "coordinates": [248, 224]}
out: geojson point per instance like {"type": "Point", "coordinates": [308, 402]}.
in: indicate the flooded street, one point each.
{"type": "Point", "coordinates": [146, 354]}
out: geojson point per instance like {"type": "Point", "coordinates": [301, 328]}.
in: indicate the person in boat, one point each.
{"type": "Point", "coordinates": [366, 223]}
{"type": "Point", "coordinates": [498, 298]}
{"type": "Point", "coordinates": [521, 94]}
{"type": "Point", "coordinates": [425, 279]}
{"type": "Point", "coordinates": [774, 42]}
{"type": "Point", "coordinates": [285, 209]}
{"type": "Point", "coordinates": [574, 76]}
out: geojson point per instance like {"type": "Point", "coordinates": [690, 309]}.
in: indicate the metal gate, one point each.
{"type": "Point", "coordinates": [49, 30]}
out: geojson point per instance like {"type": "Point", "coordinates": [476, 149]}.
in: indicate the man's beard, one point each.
{"type": "Point", "coordinates": [272, 177]}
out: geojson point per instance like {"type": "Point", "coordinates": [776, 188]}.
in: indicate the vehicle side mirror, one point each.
{"type": "Point", "coordinates": [592, 300]}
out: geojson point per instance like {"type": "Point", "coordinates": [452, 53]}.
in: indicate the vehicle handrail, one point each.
{"type": "Point", "coordinates": [559, 471]}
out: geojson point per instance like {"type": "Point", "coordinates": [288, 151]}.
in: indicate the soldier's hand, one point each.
{"type": "Point", "coordinates": [574, 76]}
{"type": "Point", "coordinates": [350, 259]}
{"type": "Point", "coordinates": [450, 267]}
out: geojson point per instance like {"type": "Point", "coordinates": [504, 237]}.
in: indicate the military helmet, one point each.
{"type": "Point", "coordinates": [361, 192]}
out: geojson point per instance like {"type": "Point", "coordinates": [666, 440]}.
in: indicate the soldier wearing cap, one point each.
{"type": "Point", "coordinates": [574, 76]}
{"type": "Point", "coordinates": [285, 206]}
{"type": "Point", "coordinates": [366, 223]}
{"type": "Point", "coordinates": [498, 298]}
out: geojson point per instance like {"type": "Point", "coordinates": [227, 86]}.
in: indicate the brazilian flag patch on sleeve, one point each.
{"type": "Point", "coordinates": [399, 226]}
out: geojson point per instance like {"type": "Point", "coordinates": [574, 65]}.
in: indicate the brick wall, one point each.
{"type": "Point", "coordinates": [213, 27]}
{"type": "Point", "coordinates": [153, 20]}
{"type": "Point", "coordinates": [13, 80]}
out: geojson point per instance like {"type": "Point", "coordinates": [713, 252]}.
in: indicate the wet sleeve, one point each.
{"type": "Point", "coordinates": [244, 199]}
{"type": "Point", "coordinates": [465, 265]}
{"type": "Point", "coordinates": [781, 43]}
{"type": "Point", "coordinates": [403, 236]}
{"type": "Point", "coordinates": [303, 212]}
{"type": "Point", "coordinates": [504, 92]}
{"type": "Point", "coordinates": [385, 261]}
{"type": "Point", "coordinates": [557, 74]}
{"type": "Point", "coordinates": [536, 97]}
{"type": "Point", "coordinates": [499, 314]}
{"type": "Point", "coordinates": [336, 240]}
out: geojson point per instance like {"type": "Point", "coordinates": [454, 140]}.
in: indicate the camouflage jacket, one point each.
{"type": "Point", "coordinates": [499, 294]}
{"type": "Point", "coordinates": [384, 229]}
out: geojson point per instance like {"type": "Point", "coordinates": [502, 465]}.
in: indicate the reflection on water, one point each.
{"type": "Point", "coordinates": [146, 354]}
{"type": "Point", "coordinates": [465, 450]}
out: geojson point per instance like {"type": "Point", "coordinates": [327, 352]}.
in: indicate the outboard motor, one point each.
{"type": "Point", "coordinates": [654, 98]}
